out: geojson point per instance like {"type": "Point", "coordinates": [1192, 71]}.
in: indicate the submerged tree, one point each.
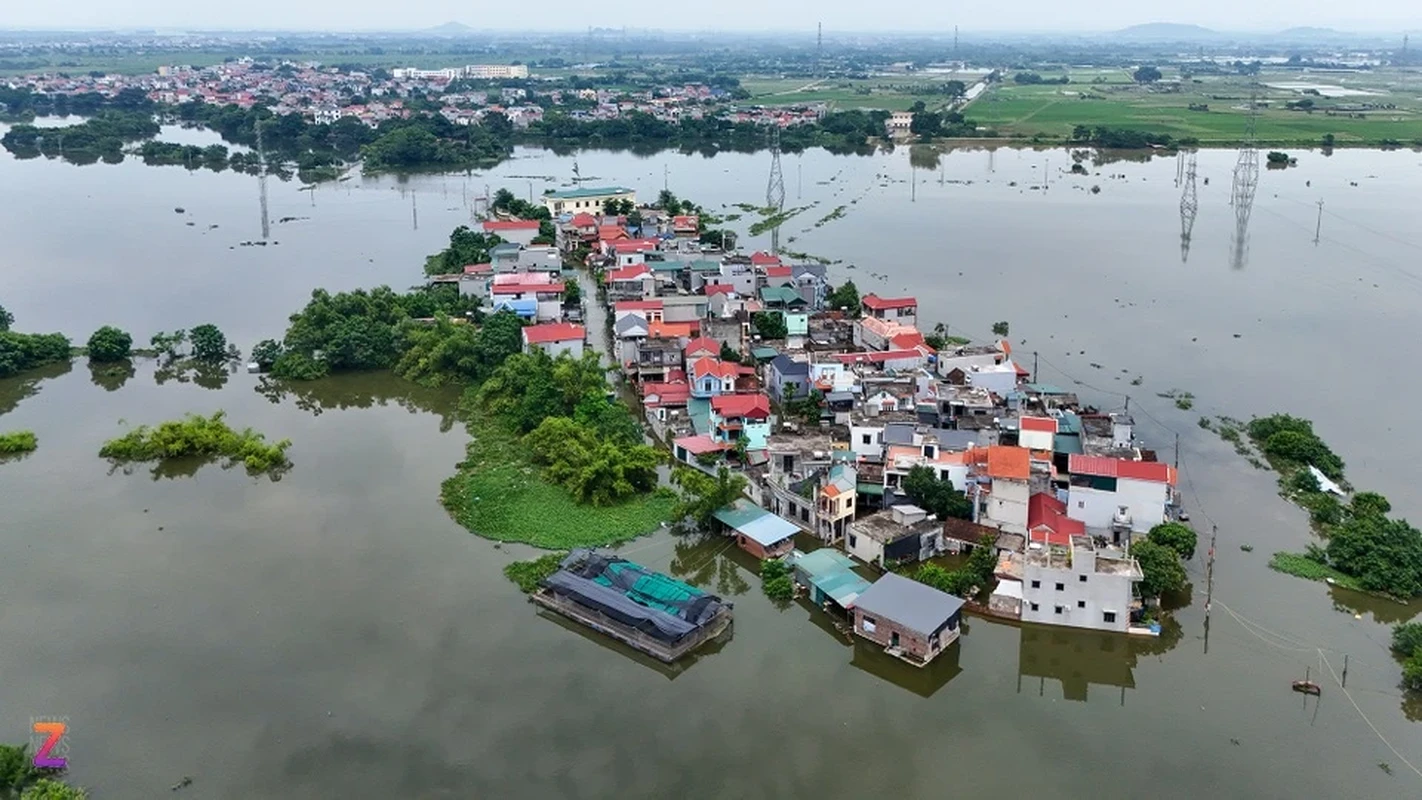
{"type": "Point", "coordinates": [110, 344]}
{"type": "Point", "coordinates": [703, 495]}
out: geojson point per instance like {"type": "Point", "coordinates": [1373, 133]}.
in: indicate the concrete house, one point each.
{"type": "Point", "coordinates": [785, 377]}
{"type": "Point", "coordinates": [902, 533]}
{"type": "Point", "coordinates": [590, 199]}
{"type": "Point", "coordinates": [630, 283]}
{"type": "Point", "coordinates": [1101, 488]}
{"type": "Point", "coordinates": [902, 310]}
{"type": "Point", "coordinates": [1003, 502]}
{"type": "Point", "coordinates": [741, 417]}
{"type": "Point", "coordinates": [1078, 586]}
{"type": "Point", "coordinates": [712, 376]}
{"type": "Point", "coordinates": [910, 620]}
{"type": "Point", "coordinates": [554, 338]}
{"type": "Point", "coordinates": [521, 232]}
{"type": "Point", "coordinates": [541, 287]}
{"type": "Point", "coordinates": [684, 308]}
{"type": "Point", "coordinates": [954, 363]}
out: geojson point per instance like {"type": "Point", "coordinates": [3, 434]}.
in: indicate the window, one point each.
{"type": "Point", "coordinates": [1061, 587]}
{"type": "Point", "coordinates": [868, 439]}
{"type": "Point", "coordinates": [1036, 584]}
{"type": "Point", "coordinates": [1108, 617]}
{"type": "Point", "coordinates": [1081, 604]}
{"type": "Point", "coordinates": [853, 540]}
{"type": "Point", "coordinates": [1081, 504]}
{"type": "Point", "coordinates": [867, 623]}
{"type": "Point", "coordinates": [1081, 578]}
{"type": "Point", "coordinates": [1034, 606]}
{"type": "Point", "coordinates": [804, 514]}
{"type": "Point", "coordinates": [1059, 609]}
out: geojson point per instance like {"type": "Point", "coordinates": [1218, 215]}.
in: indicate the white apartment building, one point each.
{"type": "Point", "coordinates": [1078, 586]}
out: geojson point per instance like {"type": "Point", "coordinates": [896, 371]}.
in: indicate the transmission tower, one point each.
{"type": "Point", "coordinates": [1188, 206]}
{"type": "Point", "coordinates": [262, 182]}
{"type": "Point", "coordinates": [775, 187]}
{"type": "Point", "coordinates": [1246, 180]}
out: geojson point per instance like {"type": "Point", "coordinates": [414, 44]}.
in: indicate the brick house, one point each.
{"type": "Point", "coordinates": [912, 621]}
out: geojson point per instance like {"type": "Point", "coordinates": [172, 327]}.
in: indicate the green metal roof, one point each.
{"type": "Point", "coordinates": [598, 191]}
{"type": "Point", "coordinates": [706, 266]}
{"type": "Point", "coordinates": [843, 587]}
{"type": "Point", "coordinates": [739, 514]}
{"type": "Point", "coordinates": [667, 266]}
{"type": "Point", "coordinates": [823, 562]}
{"type": "Point", "coordinates": [764, 353]}
{"type": "Point", "coordinates": [874, 489]}
{"type": "Point", "coordinates": [1067, 443]}
{"type": "Point", "coordinates": [1043, 388]}
{"type": "Point", "coordinates": [781, 294]}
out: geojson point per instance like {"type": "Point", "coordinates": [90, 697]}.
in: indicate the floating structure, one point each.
{"type": "Point", "coordinates": [645, 610]}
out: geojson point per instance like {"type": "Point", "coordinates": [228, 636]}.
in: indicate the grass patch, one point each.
{"type": "Point", "coordinates": [18, 442]}
{"type": "Point", "coordinates": [773, 219]}
{"type": "Point", "coordinates": [498, 494]}
{"type": "Point", "coordinates": [1301, 566]}
{"type": "Point", "coordinates": [528, 574]}
{"type": "Point", "coordinates": [196, 436]}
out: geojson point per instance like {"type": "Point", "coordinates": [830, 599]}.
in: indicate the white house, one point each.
{"type": "Point", "coordinates": [1101, 486]}
{"type": "Point", "coordinates": [1078, 586]}
{"type": "Point", "coordinates": [540, 287]}
{"type": "Point", "coordinates": [1000, 379]}
{"type": "Point", "coordinates": [966, 357]}
{"type": "Point", "coordinates": [1004, 502]}
{"type": "Point", "coordinates": [1037, 433]}
{"type": "Point", "coordinates": [590, 199]}
{"type": "Point", "coordinates": [903, 310]}
{"type": "Point", "coordinates": [554, 338]}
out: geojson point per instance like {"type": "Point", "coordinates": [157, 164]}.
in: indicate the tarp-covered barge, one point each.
{"type": "Point", "coordinates": [648, 611]}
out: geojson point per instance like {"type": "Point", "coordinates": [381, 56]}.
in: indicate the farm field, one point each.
{"type": "Point", "coordinates": [1107, 97]}
{"type": "Point", "coordinates": [890, 93]}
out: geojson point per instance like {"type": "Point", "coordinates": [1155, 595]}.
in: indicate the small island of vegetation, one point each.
{"type": "Point", "coordinates": [20, 779]}
{"type": "Point", "coordinates": [17, 442]}
{"type": "Point", "coordinates": [200, 437]}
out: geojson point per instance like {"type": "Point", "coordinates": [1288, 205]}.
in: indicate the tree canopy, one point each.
{"type": "Point", "coordinates": [846, 297]}
{"type": "Point", "coordinates": [1160, 567]}
{"type": "Point", "coordinates": [466, 247]}
{"type": "Point", "coordinates": [936, 496]}
{"type": "Point", "coordinates": [1178, 537]}
{"type": "Point", "coordinates": [770, 325]}
{"type": "Point", "coordinates": [1146, 74]}
{"type": "Point", "coordinates": [209, 344]}
{"type": "Point", "coordinates": [110, 344]}
{"type": "Point", "coordinates": [703, 495]}
{"type": "Point", "coordinates": [6, 319]}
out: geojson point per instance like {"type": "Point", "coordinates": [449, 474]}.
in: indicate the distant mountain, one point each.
{"type": "Point", "coordinates": [1169, 32]}
{"type": "Point", "coordinates": [450, 28]}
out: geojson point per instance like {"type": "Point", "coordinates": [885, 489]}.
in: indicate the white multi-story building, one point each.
{"type": "Point", "coordinates": [1078, 585]}
{"type": "Point", "coordinates": [495, 71]}
{"type": "Point", "coordinates": [1101, 487]}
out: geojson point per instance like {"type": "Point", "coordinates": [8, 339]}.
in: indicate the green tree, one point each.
{"type": "Point", "coordinates": [169, 345]}
{"type": "Point", "coordinates": [729, 353]}
{"type": "Point", "coordinates": [1369, 503]}
{"type": "Point", "coordinates": [6, 319]}
{"type": "Point", "coordinates": [845, 297]}
{"type": "Point", "coordinates": [1384, 555]}
{"type": "Point", "coordinates": [50, 789]}
{"type": "Point", "coordinates": [1161, 568]}
{"type": "Point", "coordinates": [110, 344]}
{"type": "Point", "coordinates": [208, 343]}
{"type": "Point", "coordinates": [572, 293]}
{"type": "Point", "coordinates": [770, 325]}
{"type": "Point", "coordinates": [772, 568]}
{"type": "Point", "coordinates": [936, 496]}
{"type": "Point", "coordinates": [781, 588]}
{"type": "Point", "coordinates": [1178, 537]}
{"type": "Point", "coordinates": [617, 207]}
{"type": "Point", "coordinates": [1328, 140]}
{"type": "Point", "coordinates": [1407, 638]}
{"type": "Point", "coordinates": [1146, 74]}
{"type": "Point", "coordinates": [17, 770]}
{"type": "Point", "coordinates": [703, 495]}
{"type": "Point", "coordinates": [266, 352]}
{"type": "Point", "coordinates": [1000, 328]}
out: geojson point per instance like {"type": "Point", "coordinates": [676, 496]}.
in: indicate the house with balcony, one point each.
{"type": "Point", "coordinates": [554, 338]}
{"type": "Point", "coordinates": [1079, 585]}
{"type": "Point", "coordinates": [900, 310]}
{"type": "Point", "coordinates": [656, 359]}
{"type": "Point", "coordinates": [954, 363]}
{"type": "Point", "coordinates": [1110, 493]}
{"type": "Point", "coordinates": [741, 417]}
{"type": "Point", "coordinates": [1002, 486]}
{"type": "Point", "coordinates": [711, 377]}
{"type": "Point", "coordinates": [636, 282]}
{"type": "Point", "coordinates": [540, 287]}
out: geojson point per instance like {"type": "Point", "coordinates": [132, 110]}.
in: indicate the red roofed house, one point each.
{"type": "Point", "coordinates": [687, 448]}
{"type": "Point", "coordinates": [762, 259]}
{"type": "Point", "coordinates": [1048, 523]}
{"type": "Point", "coordinates": [1036, 433]}
{"type": "Point", "coordinates": [702, 347]}
{"type": "Point", "coordinates": [686, 226]}
{"type": "Point", "coordinates": [776, 275]}
{"type": "Point", "coordinates": [1009, 472]}
{"type": "Point", "coordinates": [514, 230]}
{"type": "Point", "coordinates": [878, 334]}
{"type": "Point", "coordinates": [712, 376]}
{"type": "Point", "coordinates": [741, 416]}
{"type": "Point", "coordinates": [1116, 493]}
{"type": "Point", "coordinates": [536, 286]}
{"type": "Point", "coordinates": [630, 283]}
{"type": "Point", "coordinates": [903, 310]}
{"type": "Point", "coordinates": [665, 395]}
{"type": "Point", "coordinates": [554, 338]}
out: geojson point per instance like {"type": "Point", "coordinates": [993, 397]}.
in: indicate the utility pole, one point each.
{"type": "Point", "coordinates": [799, 180]}
{"type": "Point", "coordinates": [665, 178]}
{"type": "Point", "coordinates": [1034, 366]}
{"type": "Point", "coordinates": [955, 42]}
{"type": "Point", "coordinates": [262, 182]}
{"type": "Point", "coordinates": [1177, 452]}
{"type": "Point", "coordinates": [819, 49]}
{"type": "Point", "coordinates": [1345, 670]}
{"type": "Point", "coordinates": [775, 187]}
{"type": "Point", "coordinates": [530, 192]}
{"type": "Point", "coordinates": [1210, 584]}
{"type": "Point", "coordinates": [1318, 226]}
{"type": "Point", "coordinates": [414, 210]}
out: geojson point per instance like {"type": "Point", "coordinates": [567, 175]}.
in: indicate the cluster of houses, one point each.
{"type": "Point", "coordinates": [827, 422]}
{"type": "Point", "coordinates": [327, 94]}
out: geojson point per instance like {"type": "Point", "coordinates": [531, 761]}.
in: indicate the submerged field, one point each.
{"type": "Point", "coordinates": [1392, 109]}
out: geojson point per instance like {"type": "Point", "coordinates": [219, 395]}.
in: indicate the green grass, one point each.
{"type": "Point", "coordinates": [1054, 110]}
{"type": "Point", "coordinates": [17, 442]}
{"type": "Point", "coordinates": [1301, 566]}
{"type": "Point", "coordinates": [527, 574]}
{"type": "Point", "coordinates": [499, 495]}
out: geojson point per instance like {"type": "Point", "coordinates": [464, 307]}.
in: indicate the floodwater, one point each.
{"type": "Point", "coordinates": [334, 634]}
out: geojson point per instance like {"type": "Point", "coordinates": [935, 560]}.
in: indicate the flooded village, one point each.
{"type": "Point", "coordinates": [842, 415]}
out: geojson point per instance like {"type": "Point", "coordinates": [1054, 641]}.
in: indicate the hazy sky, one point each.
{"type": "Point", "coordinates": [837, 15]}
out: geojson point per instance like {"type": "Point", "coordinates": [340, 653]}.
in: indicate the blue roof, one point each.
{"type": "Point", "coordinates": [523, 308]}
{"type": "Point", "coordinates": [843, 587]}
{"type": "Point", "coordinates": [823, 562]}
{"type": "Point", "coordinates": [759, 525]}
{"type": "Point", "coordinates": [787, 366]}
{"type": "Point", "coordinates": [597, 191]}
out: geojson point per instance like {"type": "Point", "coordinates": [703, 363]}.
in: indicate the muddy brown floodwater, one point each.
{"type": "Point", "coordinates": [334, 634]}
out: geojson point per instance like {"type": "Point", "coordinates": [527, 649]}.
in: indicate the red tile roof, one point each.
{"type": "Point", "coordinates": [877, 303]}
{"type": "Point", "coordinates": [635, 245]}
{"type": "Point", "coordinates": [713, 289]}
{"type": "Point", "coordinates": [1014, 463]}
{"type": "Point", "coordinates": [1039, 424]}
{"type": "Point", "coordinates": [627, 273]}
{"type": "Point", "coordinates": [667, 394]}
{"type": "Point", "coordinates": [877, 357]}
{"type": "Point", "coordinates": [553, 332]}
{"type": "Point", "coordinates": [1105, 467]}
{"type": "Point", "coordinates": [1047, 520]}
{"type": "Point", "coordinates": [761, 258]}
{"type": "Point", "coordinates": [659, 329]}
{"type": "Point", "coordinates": [511, 225]}
{"type": "Point", "coordinates": [1022, 371]}
{"type": "Point", "coordinates": [478, 269]}
{"type": "Point", "coordinates": [700, 444]}
{"type": "Point", "coordinates": [584, 220]}
{"type": "Point", "coordinates": [686, 221]}
{"type": "Point", "coordinates": [714, 366]}
{"type": "Point", "coordinates": [907, 341]}
{"type": "Point", "coordinates": [779, 272]}
{"type": "Point", "coordinates": [755, 406]}
{"type": "Point", "coordinates": [608, 233]}
{"type": "Point", "coordinates": [702, 344]}
{"type": "Point", "coordinates": [637, 305]}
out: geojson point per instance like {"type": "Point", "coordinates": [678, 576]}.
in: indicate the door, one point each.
{"type": "Point", "coordinates": [894, 639]}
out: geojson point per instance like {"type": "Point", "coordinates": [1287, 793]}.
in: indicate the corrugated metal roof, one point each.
{"type": "Point", "coordinates": [915, 606]}
{"type": "Point", "coordinates": [823, 562]}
